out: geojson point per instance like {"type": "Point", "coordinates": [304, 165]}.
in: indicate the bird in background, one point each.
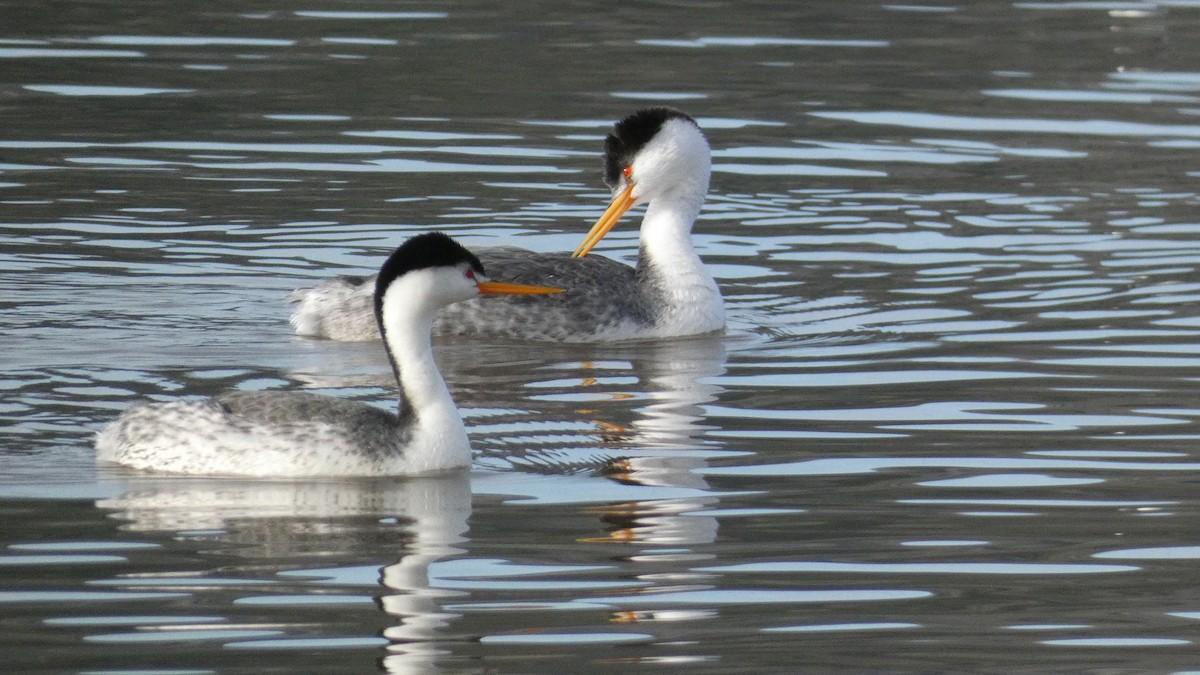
{"type": "Point", "coordinates": [656, 156]}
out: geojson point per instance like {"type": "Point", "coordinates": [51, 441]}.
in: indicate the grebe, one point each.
{"type": "Point", "coordinates": [286, 433]}
{"type": "Point", "coordinates": [656, 156]}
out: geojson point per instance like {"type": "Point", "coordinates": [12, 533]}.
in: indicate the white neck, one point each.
{"type": "Point", "coordinates": [690, 301]}
{"type": "Point", "coordinates": [438, 440]}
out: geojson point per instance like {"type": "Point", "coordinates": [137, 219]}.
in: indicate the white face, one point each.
{"type": "Point", "coordinates": [460, 282]}
{"type": "Point", "coordinates": [428, 290]}
{"type": "Point", "coordinates": [677, 160]}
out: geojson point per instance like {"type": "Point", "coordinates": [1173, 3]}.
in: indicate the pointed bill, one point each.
{"type": "Point", "coordinates": [503, 288]}
{"type": "Point", "coordinates": [615, 210]}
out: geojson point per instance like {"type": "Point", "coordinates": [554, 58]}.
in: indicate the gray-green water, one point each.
{"type": "Point", "coordinates": [952, 426]}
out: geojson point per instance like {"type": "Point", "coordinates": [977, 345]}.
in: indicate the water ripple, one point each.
{"type": "Point", "coordinates": [860, 465]}
{"type": "Point", "coordinates": [945, 122]}
{"type": "Point", "coordinates": [1019, 569]}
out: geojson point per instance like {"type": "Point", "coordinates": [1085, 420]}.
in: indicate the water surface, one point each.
{"type": "Point", "coordinates": [951, 426]}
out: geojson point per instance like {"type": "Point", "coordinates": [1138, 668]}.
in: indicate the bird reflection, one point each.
{"type": "Point", "coordinates": [295, 524]}
{"type": "Point", "coordinates": [676, 378]}
{"type": "Point", "coordinates": [416, 604]}
{"type": "Point", "coordinates": [673, 522]}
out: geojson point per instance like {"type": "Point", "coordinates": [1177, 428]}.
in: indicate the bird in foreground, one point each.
{"type": "Point", "coordinates": [656, 156]}
{"type": "Point", "coordinates": [287, 433]}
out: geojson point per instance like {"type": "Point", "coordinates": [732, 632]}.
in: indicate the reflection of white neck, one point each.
{"type": "Point", "coordinates": [439, 509]}
{"type": "Point", "coordinates": [438, 440]}
{"type": "Point", "coordinates": [677, 377]}
{"type": "Point", "coordinates": [689, 300]}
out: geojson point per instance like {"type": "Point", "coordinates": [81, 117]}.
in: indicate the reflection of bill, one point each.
{"type": "Point", "coordinates": [675, 378]}
{"type": "Point", "coordinates": [673, 522]}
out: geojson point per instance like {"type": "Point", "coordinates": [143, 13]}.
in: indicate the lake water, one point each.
{"type": "Point", "coordinates": [953, 425]}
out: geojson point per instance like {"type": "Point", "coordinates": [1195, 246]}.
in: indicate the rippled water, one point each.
{"type": "Point", "coordinates": [952, 426]}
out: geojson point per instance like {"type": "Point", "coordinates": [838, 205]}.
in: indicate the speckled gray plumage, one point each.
{"type": "Point", "coordinates": [603, 300]}
{"type": "Point", "coordinates": [256, 433]}
{"type": "Point", "coordinates": [341, 308]}
{"type": "Point", "coordinates": [380, 432]}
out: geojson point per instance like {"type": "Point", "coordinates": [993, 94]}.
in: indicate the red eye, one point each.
{"type": "Point", "coordinates": [627, 171]}
{"type": "Point", "coordinates": [470, 274]}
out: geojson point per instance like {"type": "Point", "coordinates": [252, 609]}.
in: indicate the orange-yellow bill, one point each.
{"type": "Point", "coordinates": [503, 288]}
{"type": "Point", "coordinates": [615, 210]}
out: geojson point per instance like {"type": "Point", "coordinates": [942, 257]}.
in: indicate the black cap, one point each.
{"type": "Point", "coordinates": [630, 135]}
{"type": "Point", "coordinates": [432, 249]}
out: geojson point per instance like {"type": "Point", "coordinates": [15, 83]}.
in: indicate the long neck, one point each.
{"type": "Point", "coordinates": [428, 416]}
{"type": "Point", "coordinates": [409, 348]}
{"type": "Point", "coordinates": [685, 294]}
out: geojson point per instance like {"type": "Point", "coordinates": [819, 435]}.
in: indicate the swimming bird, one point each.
{"type": "Point", "coordinates": [656, 156]}
{"type": "Point", "coordinates": [287, 433]}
